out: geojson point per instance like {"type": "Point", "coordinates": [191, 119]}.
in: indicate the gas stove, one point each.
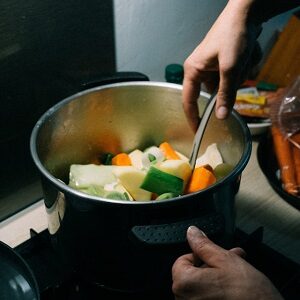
{"type": "Point", "coordinates": [57, 281]}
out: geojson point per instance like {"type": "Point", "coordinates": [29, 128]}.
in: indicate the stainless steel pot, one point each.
{"type": "Point", "coordinates": [125, 244]}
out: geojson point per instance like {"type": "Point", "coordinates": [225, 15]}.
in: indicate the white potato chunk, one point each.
{"type": "Point", "coordinates": [136, 158]}
{"type": "Point", "coordinates": [211, 156]}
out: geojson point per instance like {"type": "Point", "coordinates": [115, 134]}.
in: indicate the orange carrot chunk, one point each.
{"type": "Point", "coordinates": [168, 151]}
{"type": "Point", "coordinates": [121, 159]}
{"type": "Point", "coordinates": [200, 179]}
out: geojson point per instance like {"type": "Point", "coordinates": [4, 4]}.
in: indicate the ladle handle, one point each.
{"type": "Point", "coordinates": [201, 129]}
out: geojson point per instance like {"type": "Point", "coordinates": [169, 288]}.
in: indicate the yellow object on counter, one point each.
{"type": "Point", "coordinates": [250, 98]}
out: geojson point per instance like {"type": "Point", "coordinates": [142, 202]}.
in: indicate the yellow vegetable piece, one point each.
{"type": "Point", "coordinates": [131, 178]}
{"type": "Point", "coordinates": [178, 168]}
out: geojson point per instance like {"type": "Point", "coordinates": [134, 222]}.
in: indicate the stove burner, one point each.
{"type": "Point", "coordinates": [57, 281]}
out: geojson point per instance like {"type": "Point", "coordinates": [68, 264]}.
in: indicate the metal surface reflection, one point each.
{"type": "Point", "coordinates": [20, 288]}
{"type": "Point", "coordinates": [56, 213]}
{"type": "Point", "coordinates": [16, 278]}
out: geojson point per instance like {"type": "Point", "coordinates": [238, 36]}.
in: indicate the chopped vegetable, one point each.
{"type": "Point", "coordinates": [106, 158]}
{"type": "Point", "coordinates": [131, 178]}
{"type": "Point", "coordinates": [160, 182]}
{"type": "Point", "coordinates": [208, 167]}
{"type": "Point", "coordinates": [117, 187]}
{"type": "Point", "coordinates": [165, 196]}
{"type": "Point", "coordinates": [156, 173]}
{"type": "Point", "coordinates": [178, 168]}
{"type": "Point", "coordinates": [82, 176]}
{"type": "Point", "coordinates": [121, 159]}
{"type": "Point", "coordinates": [152, 156]}
{"type": "Point", "coordinates": [94, 190]}
{"type": "Point", "coordinates": [117, 196]}
{"type": "Point", "coordinates": [168, 151]}
{"type": "Point", "coordinates": [211, 156]}
{"type": "Point", "coordinates": [136, 159]}
{"type": "Point", "coordinates": [201, 178]}
{"type": "Point", "coordinates": [222, 170]}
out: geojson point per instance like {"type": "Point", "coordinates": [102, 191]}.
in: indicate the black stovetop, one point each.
{"type": "Point", "coordinates": [56, 281]}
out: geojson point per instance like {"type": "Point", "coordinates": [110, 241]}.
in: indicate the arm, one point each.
{"type": "Point", "coordinates": [263, 10]}
{"type": "Point", "coordinates": [224, 56]}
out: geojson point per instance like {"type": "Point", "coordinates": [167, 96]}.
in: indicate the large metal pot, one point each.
{"type": "Point", "coordinates": [123, 244]}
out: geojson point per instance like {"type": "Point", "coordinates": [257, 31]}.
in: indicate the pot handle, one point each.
{"type": "Point", "coordinates": [114, 78]}
{"type": "Point", "coordinates": [213, 225]}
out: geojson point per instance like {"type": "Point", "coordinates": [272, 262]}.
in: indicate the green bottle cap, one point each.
{"type": "Point", "coordinates": [174, 73]}
{"type": "Point", "coordinates": [266, 86]}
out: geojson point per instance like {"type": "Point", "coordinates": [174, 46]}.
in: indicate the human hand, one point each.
{"type": "Point", "coordinates": [224, 274]}
{"type": "Point", "coordinates": [223, 57]}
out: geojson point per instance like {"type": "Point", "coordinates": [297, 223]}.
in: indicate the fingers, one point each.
{"type": "Point", "coordinates": [238, 251]}
{"type": "Point", "coordinates": [228, 83]}
{"type": "Point", "coordinates": [191, 91]}
{"type": "Point", "coordinates": [184, 262]}
{"type": "Point", "coordinates": [226, 92]}
{"type": "Point", "coordinates": [205, 249]}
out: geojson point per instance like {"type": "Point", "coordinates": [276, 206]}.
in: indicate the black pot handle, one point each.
{"type": "Point", "coordinates": [213, 225]}
{"type": "Point", "coordinates": [114, 78]}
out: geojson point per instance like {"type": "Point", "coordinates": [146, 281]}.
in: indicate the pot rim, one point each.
{"type": "Point", "coordinates": [65, 188]}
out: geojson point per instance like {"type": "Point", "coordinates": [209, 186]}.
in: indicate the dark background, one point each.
{"type": "Point", "coordinates": [47, 50]}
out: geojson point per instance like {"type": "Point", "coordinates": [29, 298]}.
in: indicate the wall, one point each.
{"type": "Point", "coordinates": [152, 33]}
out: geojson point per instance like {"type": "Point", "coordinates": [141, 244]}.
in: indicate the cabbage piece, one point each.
{"type": "Point", "coordinates": [82, 176]}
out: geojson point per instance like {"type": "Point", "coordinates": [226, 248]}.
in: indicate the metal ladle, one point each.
{"type": "Point", "coordinates": [201, 129]}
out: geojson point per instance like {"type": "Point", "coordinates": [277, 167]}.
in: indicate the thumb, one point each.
{"type": "Point", "coordinates": [204, 248]}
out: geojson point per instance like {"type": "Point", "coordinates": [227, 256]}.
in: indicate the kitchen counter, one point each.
{"type": "Point", "coordinates": [256, 205]}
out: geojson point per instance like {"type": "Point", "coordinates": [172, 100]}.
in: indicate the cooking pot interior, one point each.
{"type": "Point", "coordinates": [123, 117]}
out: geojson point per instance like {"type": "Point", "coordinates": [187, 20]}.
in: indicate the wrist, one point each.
{"type": "Point", "coordinates": [246, 9]}
{"type": "Point", "coordinates": [260, 11]}
{"type": "Point", "coordinates": [245, 12]}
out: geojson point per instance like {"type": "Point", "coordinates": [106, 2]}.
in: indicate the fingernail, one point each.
{"type": "Point", "coordinates": [222, 112]}
{"type": "Point", "coordinates": [194, 231]}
